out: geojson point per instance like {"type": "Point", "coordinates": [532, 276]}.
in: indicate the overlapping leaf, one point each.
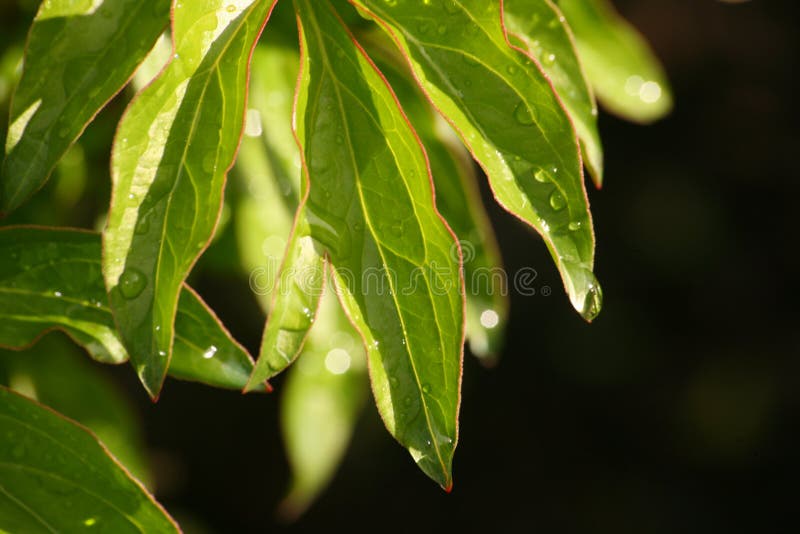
{"type": "Point", "coordinates": [396, 263]}
{"type": "Point", "coordinates": [620, 66]}
{"type": "Point", "coordinates": [509, 117]}
{"type": "Point", "coordinates": [458, 199]}
{"type": "Point", "coordinates": [290, 277]}
{"type": "Point", "coordinates": [79, 55]}
{"type": "Point", "coordinates": [56, 477]}
{"type": "Point", "coordinates": [540, 27]}
{"type": "Point", "coordinates": [171, 155]}
{"type": "Point", "coordinates": [51, 279]}
{"type": "Point", "coordinates": [326, 389]}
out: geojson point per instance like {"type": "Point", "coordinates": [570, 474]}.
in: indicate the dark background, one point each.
{"type": "Point", "coordinates": [676, 411]}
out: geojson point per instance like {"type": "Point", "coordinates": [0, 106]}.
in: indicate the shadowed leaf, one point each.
{"type": "Point", "coordinates": [79, 55]}
{"type": "Point", "coordinates": [51, 279]}
{"type": "Point", "coordinates": [620, 66]}
{"type": "Point", "coordinates": [56, 477]}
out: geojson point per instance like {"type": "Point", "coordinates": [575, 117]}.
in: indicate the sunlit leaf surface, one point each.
{"type": "Point", "coordinates": [620, 66]}
{"type": "Point", "coordinates": [56, 477]}
{"type": "Point", "coordinates": [396, 264]}
{"type": "Point", "coordinates": [79, 54]}
{"type": "Point", "coordinates": [51, 279]}
{"type": "Point", "coordinates": [541, 30]}
{"type": "Point", "coordinates": [506, 112]}
{"type": "Point", "coordinates": [459, 201]}
{"type": "Point", "coordinates": [171, 155]}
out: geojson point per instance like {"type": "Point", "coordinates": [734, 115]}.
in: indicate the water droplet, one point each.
{"type": "Point", "coordinates": [210, 352]}
{"type": "Point", "coordinates": [426, 388]}
{"type": "Point", "coordinates": [442, 29]}
{"type": "Point", "coordinates": [542, 176]}
{"type": "Point", "coordinates": [548, 59]}
{"type": "Point", "coordinates": [524, 115]}
{"type": "Point", "coordinates": [143, 223]}
{"type": "Point", "coordinates": [63, 132]}
{"type": "Point", "coordinates": [451, 7]}
{"type": "Point", "coordinates": [337, 361]}
{"type": "Point", "coordinates": [131, 283]}
{"type": "Point", "coordinates": [390, 3]}
{"type": "Point", "coordinates": [489, 319]}
{"type": "Point", "coordinates": [210, 162]}
{"type": "Point", "coordinates": [162, 353]}
{"type": "Point", "coordinates": [57, 293]}
{"type": "Point", "coordinates": [557, 201]}
{"type": "Point", "coordinates": [588, 300]}
{"type": "Point", "coordinates": [408, 401]}
{"type": "Point", "coordinates": [650, 92]}
{"type": "Point", "coordinates": [511, 69]}
{"type": "Point", "coordinates": [90, 521]}
{"type": "Point", "coordinates": [469, 60]}
{"type": "Point", "coordinates": [231, 8]}
{"type": "Point", "coordinates": [252, 123]}
{"type": "Point", "coordinates": [575, 226]}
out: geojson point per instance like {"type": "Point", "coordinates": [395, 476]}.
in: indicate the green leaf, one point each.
{"type": "Point", "coordinates": [396, 263]}
{"type": "Point", "coordinates": [620, 66]}
{"type": "Point", "coordinates": [171, 155]}
{"type": "Point", "coordinates": [326, 388]}
{"type": "Point", "coordinates": [459, 201]}
{"type": "Point", "coordinates": [55, 476]}
{"type": "Point", "coordinates": [55, 373]}
{"type": "Point", "coordinates": [51, 279]}
{"type": "Point", "coordinates": [539, 27]}
{"type": "Point", "coordinates": [269, 165]}
{"type": "Point", "coordinates": [78, 57]}
{"type": "Point", "coordinates": [507, 114]}
{"type": "Point", "coordinates": [322, 397]}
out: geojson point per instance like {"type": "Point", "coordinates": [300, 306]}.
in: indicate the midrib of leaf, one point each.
{"type": "Point", "coordinates": [27, 509]}
{"type": "Point", "coordinates": [368, 223]}
{"type": "Point", "coordinates": [212, 70]}
{"type": "Point", "coordinates": [71, 97]}
{"type": "Point", "coordinates": [81, 459]}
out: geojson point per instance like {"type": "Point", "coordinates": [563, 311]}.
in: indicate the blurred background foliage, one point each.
{"type": "Point", "coordinates": [677, 410]}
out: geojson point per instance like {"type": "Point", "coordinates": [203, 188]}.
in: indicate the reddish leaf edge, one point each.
{"type": "Point", "coordinates": [113, 458]}
{"type": "Point", "coordinates": [448, 485]}
{"type": "Point", "coordinates": [65, 229]}
{"type": "Point", "coordinates": [155, 394]}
